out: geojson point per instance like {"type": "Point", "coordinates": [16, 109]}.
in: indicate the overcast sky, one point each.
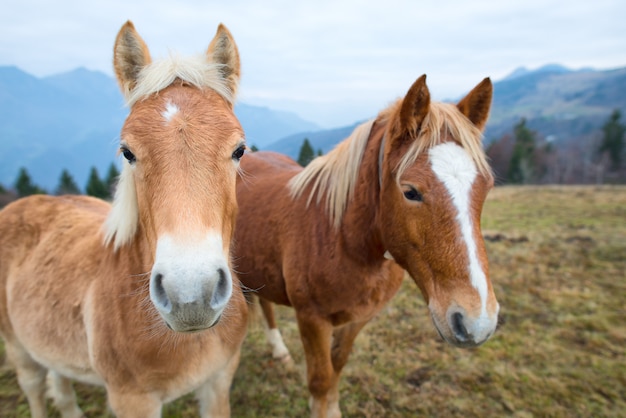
{"type": "Point", "coordinates": [330, 61]}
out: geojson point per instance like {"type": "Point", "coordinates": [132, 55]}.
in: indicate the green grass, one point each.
{"type": "Point", "coordinates": [558, 265]}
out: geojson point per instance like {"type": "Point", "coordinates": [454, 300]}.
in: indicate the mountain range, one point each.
{"type": "Point", "coordinates": [72, 120]}
{"type": "Point", "coordinates": [558, 103]}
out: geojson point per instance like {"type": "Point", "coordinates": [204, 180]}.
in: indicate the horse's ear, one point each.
{"type": "Point", "coordinates": [477, 103]}
{"type": "Point", "coordinates": [223, 50]}
{"type": "Point", "coordinates": [130, 55]}
{"type": "Point", "coordinates": [415, 106]}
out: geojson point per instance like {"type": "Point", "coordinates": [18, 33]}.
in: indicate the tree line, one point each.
{"type": "Point", "coordinates": [102, 188]}
{"type": "Point", "coordinates": [525, 157]}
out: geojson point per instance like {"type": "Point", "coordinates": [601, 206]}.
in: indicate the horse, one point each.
{"type": "Point", "coordinates": [404, 192]}
{"type": "Point", "coordinates": [137, 296]}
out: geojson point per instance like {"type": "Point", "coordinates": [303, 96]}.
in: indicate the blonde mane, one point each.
{"type": "Point", "coordinates": [195, 70]}
{"type": "Point", "coordinates": [334, 174]}
{"type": "Point", "coordinates": [445, 118]}
{"type": "Point", "coordinates": [121, 224]}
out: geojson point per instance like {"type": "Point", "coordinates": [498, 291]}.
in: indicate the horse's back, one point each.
{"type": "Point", "coordinates": [23, 222]}
{"type": "Point", "coordinates": [270, 161]}
{"type": "Point", "coordinates": [262, 185]}
{"type": "Point", "coordinates": [41, 208]}
{"type": "Point", "coordinates": [264, 207]}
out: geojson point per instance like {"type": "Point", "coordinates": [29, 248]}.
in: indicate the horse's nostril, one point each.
{"type": "Point", "coordinates": [221, 289]}
{"type": "Point", "coordinates": [458, 327]}
{"type": "Point", "coordinates": [159, 291]}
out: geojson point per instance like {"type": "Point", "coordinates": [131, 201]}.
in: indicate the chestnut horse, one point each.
{"type": "Point", "coordinates": [137, 296]}
{"type": "Point", "coordinates": [403, 192]}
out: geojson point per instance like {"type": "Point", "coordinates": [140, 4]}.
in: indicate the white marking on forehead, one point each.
{"type": "Point", "coordinates": [455, 169]}
{"type": "Point", "coordinates": [170, 111]}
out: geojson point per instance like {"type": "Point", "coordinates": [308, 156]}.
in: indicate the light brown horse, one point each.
{"type": "Point", "coordinates": [408, 186]}
{"type": "Point", "coordinates": [137, 297]}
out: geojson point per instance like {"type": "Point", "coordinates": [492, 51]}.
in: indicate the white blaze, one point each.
{"type": "Point", "coordinates": [455, 169]}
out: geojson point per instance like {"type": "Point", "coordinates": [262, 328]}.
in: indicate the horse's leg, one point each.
{"type": "Point", "coordinates": [63, 395]}
{"type": "Point", "coordinates": [279, 350]}
{"type": "Point", "coordinates": [31, 377]}
{"type": "Point", "coordinates": [343, 339]}
{"type": "Point", "coordinates": [316, 335]}
{"type": "Point", "coordinates": [214, 395]}
{"type": "Point", "coordinates": [126, 404]}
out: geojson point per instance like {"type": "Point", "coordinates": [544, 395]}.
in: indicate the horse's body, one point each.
{"type": "Point", "coordinates": [403, 192]}
{"type": "Point", "coordinates": [139, 296]}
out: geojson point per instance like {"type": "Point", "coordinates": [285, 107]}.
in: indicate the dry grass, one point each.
{"type": "Point", "coordinates": [558, 264]}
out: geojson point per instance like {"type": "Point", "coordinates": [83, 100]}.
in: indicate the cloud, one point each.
{"type": "Point", "coordinates": [350, 56]}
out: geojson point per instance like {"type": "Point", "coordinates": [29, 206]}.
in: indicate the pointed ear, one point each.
{"type": "Point", "coordinates": [223, 50]}
{"type": "Point", "coordinates": [415, 106]}
{"type": "Point", "coordinates": [477, 103]}
{"type": "Point", "coordinates": [130, 55]}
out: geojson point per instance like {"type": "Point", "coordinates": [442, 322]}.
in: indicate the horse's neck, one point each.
{"type": "Point", "coordinates": [360, 224]}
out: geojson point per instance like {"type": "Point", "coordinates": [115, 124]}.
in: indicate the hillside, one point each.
{"type": "Point", "coordinates": [72, 120]}
{"type": "Point", "coordinates": [321, 140]}
{"type": "Point", "coordinates": [557, 102]}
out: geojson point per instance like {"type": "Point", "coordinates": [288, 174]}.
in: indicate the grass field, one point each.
{"type": "Point", "coordinates": [558, 265]}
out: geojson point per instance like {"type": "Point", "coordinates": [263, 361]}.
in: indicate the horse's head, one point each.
{"type": "Point", "coordinates": [181, 145]}
{"type": "Point", "coordinates": [434, 181]}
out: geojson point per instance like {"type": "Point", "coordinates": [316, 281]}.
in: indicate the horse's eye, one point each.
{"type": "Point", "coordinates": [128, 155]}
{"type": "Point", "coordinates": [238, 153]}
{"type": "Point", "coordinates": [412, 194]}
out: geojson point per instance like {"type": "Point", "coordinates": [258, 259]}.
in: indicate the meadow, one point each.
{"type": "Point", "coordinates": [558, 265]}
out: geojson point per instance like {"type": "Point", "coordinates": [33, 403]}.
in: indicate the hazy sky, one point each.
{"type": "Point", "coordinates": [330, 61]}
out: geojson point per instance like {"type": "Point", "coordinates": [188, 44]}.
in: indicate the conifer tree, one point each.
{"type": "Point", "coordinates": [253, 148]}
{"type": "Point", "coordinates": [111, 180]}
{"type": "Point", "coordinates": [613, 139]}
{"type": "Point", "coordinates": [24, 185]}
{"type": "Point", "coordinates": [306, 153]}
{"type": "Point", "coordinates": [522, 166]}
{"type": "Point", "coordinates": [96, 187]}
{"type": "Point", "coordinates": [67, 185]}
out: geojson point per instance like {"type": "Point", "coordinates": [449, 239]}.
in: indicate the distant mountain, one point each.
{"type": "Point", "coordinates": [72, 120]}
{"type": "Point", "coordinates": [556, 101]}
{"type": "Point", "coordinates": [51, 123]}
{"type": "Point", "coordinates": [549, 68]}
{"type": "Point", "coordinates": [320, 140]}
{"type": "Point", "coordinates": [263, 125]}
{"type": "Point", "coordinates": [565, 104]}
